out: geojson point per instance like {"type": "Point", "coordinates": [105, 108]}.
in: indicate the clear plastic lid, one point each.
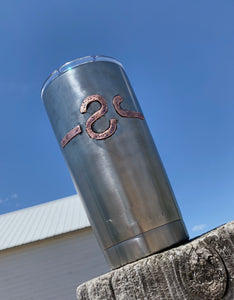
{"type": "Point", "coordinates": [74, 63]}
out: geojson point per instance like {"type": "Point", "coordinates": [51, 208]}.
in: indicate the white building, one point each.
{"type": "Point", "coordinates": [47, 250]}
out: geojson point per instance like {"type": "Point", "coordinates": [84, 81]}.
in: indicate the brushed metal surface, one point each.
{"type": "Point", "coordinates": [124, 186]}
{"type": "Point", "coordinates": [144, 244]}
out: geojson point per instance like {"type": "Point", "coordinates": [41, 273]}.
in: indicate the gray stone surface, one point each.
{"type": "Point", "coordinates": [201, 269]}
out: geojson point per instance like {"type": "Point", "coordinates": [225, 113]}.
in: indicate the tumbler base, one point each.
{"type": "Point", "coordinates": [146, 243]}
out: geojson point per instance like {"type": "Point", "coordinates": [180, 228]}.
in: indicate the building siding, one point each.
{"type": "Point", "coordinates": [51, 268]}
{"type": "Point", "coordinates": [42, 221]}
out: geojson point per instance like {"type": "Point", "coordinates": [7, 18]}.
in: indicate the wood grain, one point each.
{"type": "Point", "coordinates": [202, 269]}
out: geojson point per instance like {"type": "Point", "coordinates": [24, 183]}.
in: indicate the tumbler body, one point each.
{"type": "Point", "coordinates": [121, 179]}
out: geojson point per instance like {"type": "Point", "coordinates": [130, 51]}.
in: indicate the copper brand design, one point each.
{"type": "Point", "coordinates": [117, 100]}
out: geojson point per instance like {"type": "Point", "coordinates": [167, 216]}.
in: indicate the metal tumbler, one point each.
{"type": "Point", "coordinates": [112, 159]}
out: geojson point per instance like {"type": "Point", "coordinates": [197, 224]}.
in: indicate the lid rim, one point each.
{"type": "Point", "coordinates": [75, 63]}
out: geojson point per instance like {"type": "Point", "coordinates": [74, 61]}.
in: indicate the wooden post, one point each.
{"type": "Point", "coordinates": [201, 269]}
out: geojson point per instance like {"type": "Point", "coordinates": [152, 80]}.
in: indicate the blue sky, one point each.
{"type": "Point", "coordinates": [179, 56]}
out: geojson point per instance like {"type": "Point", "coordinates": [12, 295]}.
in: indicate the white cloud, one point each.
{"type": "Point", "coordinates": [6, 199]}
{"type": "Point", "coordinates": [14, 196]}
{"type": "Point", "coordinates": [3, 200]}
{"type": "Point", "coordinates": [199, 227]}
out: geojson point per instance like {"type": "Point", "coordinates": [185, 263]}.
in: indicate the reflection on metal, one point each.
{"type": "Point", "coordinates": [97, 115]}
{"type": "Point", "coordinates": [125, 113]}
{"type": "Point", "coordinates": [70, 135]}
{"type": "Point", "coordinates": [126, 192]}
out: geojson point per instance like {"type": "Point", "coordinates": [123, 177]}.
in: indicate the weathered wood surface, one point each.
{"type": "Point", "coordinates": [201, 269]}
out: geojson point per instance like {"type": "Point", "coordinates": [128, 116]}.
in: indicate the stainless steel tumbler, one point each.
{"type": "Point", "coordinates": [112, 159]}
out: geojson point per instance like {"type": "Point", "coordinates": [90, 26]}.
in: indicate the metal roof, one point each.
{"type": "Point", "coordinates": [42, 221]}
